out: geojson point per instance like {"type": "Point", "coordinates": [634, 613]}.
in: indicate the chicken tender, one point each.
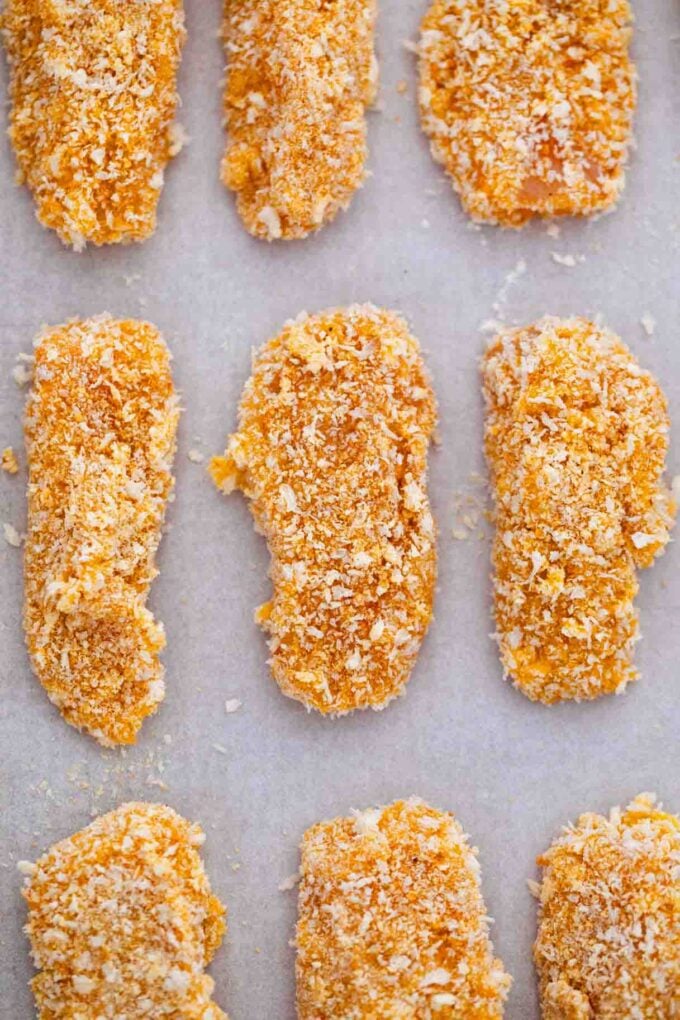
{"type": "Point", "coordinates": [608, 944]}
{"type": "Point", "coordinates": [93, 91]}
{"type": "Point", "coordinates": [529, 104]}
{"type": "Point", "coordinates": [100, 431]}
{"type": "Point", "coordinates": [122, 920]}
{"type": "Point", "coordinates": [300, 75]}
{"type": "Point", "coordinates": [392, 923]}
{"type": "Point", "coordinates": [576, 439]}
{"type": "Point", "coordinates": [331, 450]}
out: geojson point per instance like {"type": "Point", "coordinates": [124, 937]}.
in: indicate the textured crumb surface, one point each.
{"type": "Point", "coordinates": [576, 440]}
{"type": "Point", "coordinates": [8, 461]}
{"type": "Point", "coordinates": [529, 104]}
{"type": "Point", "coordinates": [100, 432]}
{"type": "Point", "coordinates": [331, 450]}
{"type": "Point", "coordinates": [392, 923]}
{"type": "Point", "coordinates": [122, 921]}
{"type": "Point", "coordinates": [300, 74]}
{"type": "Point", "coordinates": [608, 944]}
{"type": "Point", "coordinates": [93, 92]}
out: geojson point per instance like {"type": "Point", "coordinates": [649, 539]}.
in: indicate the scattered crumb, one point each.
{"type": "Point", "coordinates": [22, 374]}
{"type": "Point", "coordinates": [289, 883]}
{"type": "Point", "coordinates": [553, 230]}
{"type": "Point", "coordinates": [648, 323]}
{"type": "Point", "coordinates": [232, 705]}
{"type": "Point", "coordinates": [8, 461]}
{"type": "Point", "coordinates": [196, 456]}
{"type": "Point", "coordinates": [12, 536]}
{"type": "Point", "coordinates": [402, 87]}
{"type": "Point", "coordinates": [566, 260]}
{"type": "Point", "coordinates": [220, 749]}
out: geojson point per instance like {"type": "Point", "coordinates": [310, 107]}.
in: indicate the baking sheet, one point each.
{"type": "Point", "coordinates": [512, 771]}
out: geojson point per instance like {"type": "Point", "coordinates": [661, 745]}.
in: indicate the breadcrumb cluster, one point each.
{"type": "Point", "coordinates": [331, 450]}
{"type": "Point", "coordinates": [93, 92]}
{"type": "Point", "coordinates": [392, 922]}
{"type": "Point", "coordinates": [608, 943]}
{"type": "Point", "coordinates": [529, 104]}
{"type": "Point", "coordinates": [122, 920]}
{"type": "Point", "coordinates": [100, 432]}
{"type": "Point", "coordinates": [576, 439]}
{"type": "Point", "coordinates": [300, 75]}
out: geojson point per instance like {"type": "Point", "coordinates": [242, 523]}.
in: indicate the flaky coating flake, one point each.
{"type": "Point", "coordinates": [300, 75]}
{"type": "Point", "coordinates": [122, 921]}
{"type": "Point", "coordinates": [608, 945]}
{"type": "Point", "coordinates": [331, 450]}
{"type": "Point", "coordinates": [93, 91]}
{"type": "Point", "coordinates": [576, 439]}
{"type": "Point", "coordinates": [529, 104]}
{"type": "Point", "coordinates": [100, 432]}
{"type": "Point", "coordinates": [392, 924]}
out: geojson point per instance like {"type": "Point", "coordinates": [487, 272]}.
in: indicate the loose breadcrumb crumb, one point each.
{"type": "Point", "coordinates": [93, 91]}
{"type": "Point", "coordinates": [122, 920]}
{"type": "Point", "coordinates": [8, 461]}
{"type": "Point", "coordinates": [100, 432]}
{"type": "Point", "coordinates": [576, 439]}
{"type": "Point", "coordinates": [11, 535]}
{"type": "Point", "coordinates": [300, 75]}
{"type": "Point", "coordinates": [608, 944]}
{"type": "Point", "coordinates": [529, 104]}
{"type": "Point", "coordinates": [334, 427]}
{"type": "Point", "coordinates": [392, 922]}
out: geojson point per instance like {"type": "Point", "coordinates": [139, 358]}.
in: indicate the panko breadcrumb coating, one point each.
{"type": "Point", "coordinates": [608, 945]}
{"type": "Point", "coordinates": [122, 921]}
{"type": "Point", "coordinates": [392, 923]}
{"type": "Point", "coordinates": [331, 450]}
{"type": "Point", "coordinates": [100, 431]}
{"type": "Point", "coordinates": [576, 439]}
{"type": "Point", "coordinates": [300, 75]}
{"type": "Point", "coordinates": [529, 104]}
{"type": "Point", "coordinates": [93, 91]}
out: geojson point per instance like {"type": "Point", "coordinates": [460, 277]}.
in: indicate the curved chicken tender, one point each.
{"type": "Point", "coordinates": [529, 104]}
{"type": "Point", "coordinates": [93, 89]}
{"type": "Point", "coordinates": [122, 920]}
{"type": "Point", "coordinates": [300, 75]}
{"type": "Point", "coordinates": [608, 943]}
{"type": "Point", "coordinates": [331, 449]}
{"type": "Point", "coordinates": [392, 922]}
{"type": "Point", "coordinates": [576, 438]}
{"type": "Point", "coordinates": [100, 429]}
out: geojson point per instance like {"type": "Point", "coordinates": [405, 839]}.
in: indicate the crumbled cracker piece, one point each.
{"type": "Point", "coordinates": [608, 944]}
{"type": "Point", "coordinates": [100, 430]}
{"type": "Point", "coordinates": [576, 439]}
{"type": "Point", "coordinates": [529, 104]}
{"type": "Point", "coordinates": [93, 90]}
{"type": "Point", "coordinates": [331, 449]}
{"type": "Point", "coordinates": [8, 461]}
{"type": "Point", "coordinates": [122, 920]}
{"type": "Point", "coordinates": [392, 922]}
{"type": "Point", "coordinates": [300, 75]}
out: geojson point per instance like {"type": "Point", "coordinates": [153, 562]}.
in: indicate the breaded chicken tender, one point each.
{"type": "Point", "coordinates": [300, 75]}
{"type": "Point", "coordinates": [529, 104]}
{"type": "Point", "coordinates": [331, 450]}
{"type": "Point", "coordinates": [392, 923]}
{"type": "Point", "coordinates": [608, 945]}
{"type": "Point", "coordinates": [576, 439]}
{"type": "Point", "coordinates": [93, 91]}
{"type": "Point", "coordinates": [122, 921]}
{"type": "Point", "coordinates": [100, 432]}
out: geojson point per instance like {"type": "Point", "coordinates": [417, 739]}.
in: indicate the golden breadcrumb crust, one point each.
{"type": "Point", "coordinates": [122, 921]}
{"type": "Point", "coordinates": [100, 432]}
{"type": "Point", "coordinates": [334, 427]}
{"type": "Point", "coordinates": [529, 104]}
{"type": "Point", "coordinates": [93, 91]}
{"type": "Point", "coordinates": [576, 439]}
{"type": "Point", "coordinates": [608, 945]}
{"type": "Point", "coordinates": [392, 924]}
{"type": "Point", "coordinates": [300, 74]}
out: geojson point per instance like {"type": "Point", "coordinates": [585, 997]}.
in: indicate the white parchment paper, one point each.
{"type": "Point", "coordinates": [512, 771]}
